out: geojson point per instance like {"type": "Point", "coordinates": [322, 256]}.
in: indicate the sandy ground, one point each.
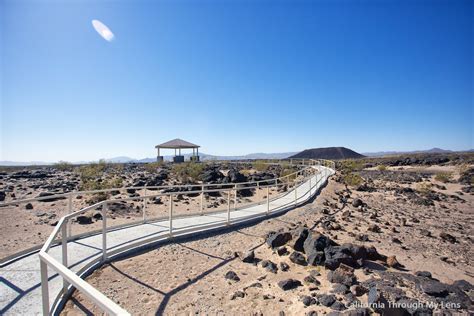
{"type": "Point", "coordinates": [188, 278]}
{"type": "Point", "coordinates": [31, 227]}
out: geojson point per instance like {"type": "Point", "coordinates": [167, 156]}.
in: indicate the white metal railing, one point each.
{"type": "Point", "coordinates": [70, 279]}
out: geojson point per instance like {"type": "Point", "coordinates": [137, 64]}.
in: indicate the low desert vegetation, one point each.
{"type": "Point", "coordinates": [349, 169]}
{"type": "Point", "coordinates": [353, 179]}
{"type": "Point", "coordinates": [188, 171]}
{"type": "Point", "coordinates": [153, 167]}
{"type": "Point", "coordinates": [63, 166]}
{"type": "Point", "coordinates": [444, 177]}
{"type": "Point", "coordinates": [260, 165]}
{"type": "Point", "coordinates": [93, 177]}
{"type": "Point", "coordinates": [382, 168]}
{"type": "Point", "coordinates": [424, 187]}
{"type": "Point", "coordinates": [347, 166]}
{"type": "Point", "coordinates": [286, 172]}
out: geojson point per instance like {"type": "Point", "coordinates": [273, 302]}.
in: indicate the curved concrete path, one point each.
{"type": "Point", "coordinates": [20, 286]}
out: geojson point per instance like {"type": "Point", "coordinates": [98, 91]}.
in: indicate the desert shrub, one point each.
{"type": "Point", "coordinates": [63, 166]}
{"type": "Point", "coordinates": [286, 172]}
{"type": "Point", "coordinates": [382, 168]}
{"type": "Point", "coordinates": [347, 166]}
{"type": "Point", "coordinates": [444, 177]}
{"type": "Point", "coordinates": [92, 171]}
{"type": "Point", "coordinates": [94, 177]}
{"type": "Point", "coordinates": [424, 187]}
{"type": "Point", "coordinates": [188, 171]}
{"type": "Point", "coordinates": [352, 179]}
{"type": "Point", "coordinates": [246, 172]}
{"type": "Point", "coordinates": [260, 165]}
{"type": "Point", "coordinates": [153, 167]}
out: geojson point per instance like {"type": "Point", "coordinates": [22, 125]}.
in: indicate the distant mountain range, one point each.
{"type": "Point", "coordinates": [328, 153]}
{"type": "Point", "coordinates": [322, 153]}
{"type": "Point", "coordinates": [428, 151]}
{"type": "Point", "coordinates": [125, 159]}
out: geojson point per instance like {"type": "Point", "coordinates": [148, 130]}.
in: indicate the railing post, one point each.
{"type": "Point", "coordinates": [202, 200]}
{"type": "Point", "coordinates": [144, 206]}
{"type": "Point", "coordinates": [69, 211]}
{"type": "Point", "coordinates": [171, 214]}
{"type": "Point", "coordinates": [64, 251]}
{"type": "Point", "coordinates": [268, 200]}
{"type": "Point", "coordinates": [310, 186]}
{"type": "Point", "coordinates": [235, 197]}
{"type": "Point", "coordinates": [228, 208]}
{"type": "Point", "coordinates": [44, 287]}
{"type": "Point", "coordinates": [296, 194]}
{"type": "Point", "coordinates": [104, 231]}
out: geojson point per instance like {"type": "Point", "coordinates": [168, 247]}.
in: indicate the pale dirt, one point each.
{"type": "Point", "coordinates": [188, 278]}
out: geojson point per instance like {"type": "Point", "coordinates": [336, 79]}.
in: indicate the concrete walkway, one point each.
{"type": "Point", "coordinates": [20, 287]}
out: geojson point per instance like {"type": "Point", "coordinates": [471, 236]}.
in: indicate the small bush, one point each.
{"type": "Point", "coordinates": [63, 166]}
{"type": "Point", "coordinates": [286, 172]}
{"type": "Point", "coordinates": [382, 168]}
{"type": "Point", "coordinates": [348, 166]}
{"type": "Point", "coordinates": [424, 187]}
{"type": "Point", "coordinates": [153, 167]}
{"type": "Point", "coordinates": [93, 177]}
{"type": "Point", "coordinates": [260, 165]}
{"type": "Point", "coordinates": [188, 171]}
{"type": "Point", "coordinates": [444, 177]}
{"type": "Point", "coordinates": [353, 179]}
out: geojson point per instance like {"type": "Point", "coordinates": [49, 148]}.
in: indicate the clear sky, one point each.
{"type": "Point", "coordinates": [234, 76]}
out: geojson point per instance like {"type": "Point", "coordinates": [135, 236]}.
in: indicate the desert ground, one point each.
{"type": "Point", "coordinates": [396, 230]}
{"type": "Point", "coordinates": [29, 224]}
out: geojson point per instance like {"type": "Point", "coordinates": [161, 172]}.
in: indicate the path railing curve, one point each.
{"type": "Point", "coordinates": [314, 171]}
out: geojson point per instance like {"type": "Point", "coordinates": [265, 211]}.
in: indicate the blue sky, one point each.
{"type": "Point", "coordinates": [234, 76]}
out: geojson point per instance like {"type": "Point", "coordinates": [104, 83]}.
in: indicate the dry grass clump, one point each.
{"type": "Point", "coordinates": [260, 165]}
{"type": "Point", "coordinates": [153, 167]}
{"type": "Point", "coordinates": [444, 177]}
{"type": "Point", "coordinates": [188, 171]}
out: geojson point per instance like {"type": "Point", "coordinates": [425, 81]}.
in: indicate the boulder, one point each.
{"type": "Point", "coordinates": [237, 294]}
{"type": "Point", "coordinates": [269, 266]}
{"type": "Point", "coordinates": [447, 237]}
{"type": "Point", "coordinates": [278, 239]}
{"type": "Point", "coordinates": [357, 203]}
{"type": "Point", "coordinates": [247, 257]}
{"type": "Point", "coordinates": [336, 255]}
{"type": "Point", "coordinates": [310, 279]}
{"type": "Point", "coordinates": [282, 251]}
{"type": "Point", "coordinates": [327, 299]}
{"type": "Point", "coordinates": [392, 262]}
{"type": "Point", "coordinates": [84, 219]}
{"type": "Point", "coordinates": [424, 274]}
{"type": "Point", "coordinates": [284, 266]}
{"type": "Point", "coordinates": [434, 288]}
{"type": "Point", "coordinates": [231, 275]}
{"type": "Point", "coordinates": [308, 300]}
{"type": "Point", "coordinates": [316, 258]}
{"type": "Point", "coordinates": [289, 284]}
{"type": "Point", "coordinates": [317, 242]}
{"type": "Point", "coordinates": [298, 258]}
{"type": "Point", "coordinates": [299, 236]}
{"type": "Point", "coordinates": [343, 275]}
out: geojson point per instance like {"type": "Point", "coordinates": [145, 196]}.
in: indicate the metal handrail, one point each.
{"type": "Point", "coordinates": [75, 193]}
{"type": "Point", "coordinates": [107, 305]}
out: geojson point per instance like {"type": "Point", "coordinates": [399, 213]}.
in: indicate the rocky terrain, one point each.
{"type": "Point", "coordinates": [29, 224]}
{"type": "Point", "coordinates": [381, 238]}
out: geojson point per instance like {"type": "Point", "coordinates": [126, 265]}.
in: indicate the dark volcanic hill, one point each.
{"type": "Point", "coordinates": [328, 153]}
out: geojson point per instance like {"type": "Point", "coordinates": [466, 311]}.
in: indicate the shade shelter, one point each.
{"type": "Point", "coordinates": [178, 144]}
